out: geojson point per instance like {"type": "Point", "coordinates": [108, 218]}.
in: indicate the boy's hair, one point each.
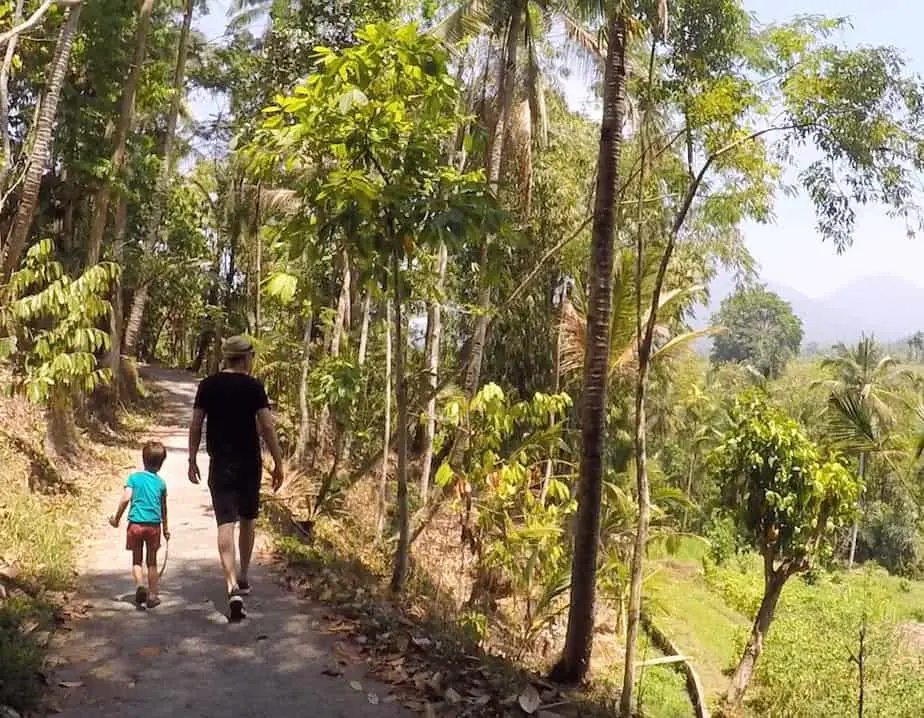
{"type": "Point", "coordinates": [153, 455]}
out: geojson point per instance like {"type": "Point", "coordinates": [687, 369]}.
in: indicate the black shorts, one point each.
{"type": "Point", "coordinates": [235, 489]}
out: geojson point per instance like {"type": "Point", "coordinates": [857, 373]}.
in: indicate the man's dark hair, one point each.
{"type": "Point", "coordinates": [153, 455]}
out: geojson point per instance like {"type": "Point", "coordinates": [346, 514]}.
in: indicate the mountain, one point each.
{"type": "Point", "coordinates": [891, 308]}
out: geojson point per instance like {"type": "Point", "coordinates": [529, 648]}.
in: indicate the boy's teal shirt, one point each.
{"type": "Point", "coordinates": [147, 492]}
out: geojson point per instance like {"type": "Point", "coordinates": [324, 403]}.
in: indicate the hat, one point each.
{"type": "Point", "coordinates": [236, 346]}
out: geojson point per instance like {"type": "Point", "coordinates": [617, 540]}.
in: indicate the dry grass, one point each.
{"type": "Point", "coordinates": [44, 505]}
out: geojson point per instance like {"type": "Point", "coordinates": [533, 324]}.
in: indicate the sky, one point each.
{"type": "Point", "coordinates": [790, 251]}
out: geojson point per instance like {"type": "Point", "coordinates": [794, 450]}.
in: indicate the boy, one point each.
{"type": "Point", "coordinates": [146, 493]}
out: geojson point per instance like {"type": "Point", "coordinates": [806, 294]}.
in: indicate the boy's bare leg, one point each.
{"type": "Point", "coordinates": [138, 574]}
{"type": "Point", "coordinates": [226, 552]}
{"type": "Point", "coordinates": [246, 535]}
{"type": "Point", "coordinates": [153, 575]}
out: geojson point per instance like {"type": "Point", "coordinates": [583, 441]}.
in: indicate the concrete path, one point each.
{"type": "Point", "coordinates": [183, 658]}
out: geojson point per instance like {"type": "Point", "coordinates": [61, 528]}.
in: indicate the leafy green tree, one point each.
{"type": "Point", "coordinates": [786, 501]}
{"type": "Point", "coordinates": [373, 122]}
{"type": "Point", "coordinates": [758, 328]}
{"type": "Point", "coordinates": [49, 329]}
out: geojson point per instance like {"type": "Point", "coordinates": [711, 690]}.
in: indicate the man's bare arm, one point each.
{"type": "Point", "coordinates": [267, 428]}
{"type": "Point", "coordinates": [195, 438]}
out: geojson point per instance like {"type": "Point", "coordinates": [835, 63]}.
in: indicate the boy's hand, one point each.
{"type": "Point", "coordinates": [278, 476]}
{"type": "Point", "coordinates": [167, 534]}
{"type": "Point", "coordinates": [194, 476]}
{"type": "Point", "coordinates": [114, 522]}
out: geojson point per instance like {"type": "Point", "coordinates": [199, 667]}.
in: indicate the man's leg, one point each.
{"type": "Point", "coordinates": [249, 506]}
{"type": "Point", "coordinates": [226, 553]}
{"type": "Point", "coordinates": [247, 532]}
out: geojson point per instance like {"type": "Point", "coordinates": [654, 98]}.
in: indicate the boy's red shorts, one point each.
{"type": "Point", "coordinates": [143, 535]}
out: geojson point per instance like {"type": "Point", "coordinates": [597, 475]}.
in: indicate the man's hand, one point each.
{"type": "Point", "coordinates": [194, 476]}
{"type": "Point", "coordinates": [278, 476]}
{"type": "Point", "coordinates": [114, 522]}
{"type": "Point", "coordinates": [167, 534]}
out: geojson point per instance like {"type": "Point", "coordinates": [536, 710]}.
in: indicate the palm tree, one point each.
{"type": "Point", "coordinates": [575, 658]}
{"type": "Point", "coordinates": [120, 133]}
{"type": "Point", "coordinates": [519, 23]}
{"type": "Point", "coordinates": [140, 297]}
{"type": "Point", "coordinates": [859, 411]}
{"type": "Point", "coordinates": [38, 156]}
{"type": "Point", "coordinates": [623, 360]}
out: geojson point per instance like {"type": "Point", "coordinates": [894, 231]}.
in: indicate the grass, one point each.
{"type": "Point", "coordinates": [42, 525]}
{"type": "Point", "coordinates": [805, 669]}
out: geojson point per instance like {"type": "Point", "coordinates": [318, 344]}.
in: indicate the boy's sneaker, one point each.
{"type": "Point", "coordinates": [235, 607]}
{"type": "Point", "coordinates": [153, 602]}
{"type": "Point", "coordinates": [243, 587]}
{"type": "Point", "coordinates": [141, 596]}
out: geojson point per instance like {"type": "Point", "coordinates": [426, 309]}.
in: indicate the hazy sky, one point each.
{"type": "Point", "coordinates": [789, 251]}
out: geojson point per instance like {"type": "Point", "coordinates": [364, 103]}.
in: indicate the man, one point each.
{"type": "Point", "coordinates": [238, 415]}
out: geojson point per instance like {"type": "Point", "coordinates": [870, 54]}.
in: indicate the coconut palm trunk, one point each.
{"type": "Point", "coordinates": [126, 116]}
{"type": "Point", "coordinates": [41, 146]}
{"type": "Point", "coordinates": [507, 77]}
{"type": "Point", "coordinates": [140, 297]}
{"type": "Point", "coordinates": [575, 658]}
{"type": "Point", "coordinates": [856, 522]}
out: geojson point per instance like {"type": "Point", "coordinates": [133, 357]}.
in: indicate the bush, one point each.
{"type": "Point", "coordinates": [21, 655]}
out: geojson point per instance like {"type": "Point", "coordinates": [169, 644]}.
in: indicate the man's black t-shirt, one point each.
{"type": "Point", "coordinates": [231, 401]}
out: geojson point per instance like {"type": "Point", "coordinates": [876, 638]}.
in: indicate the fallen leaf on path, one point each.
{"type": "Point", "coordinates": [452, 696]}
{"type": "Point", "coordinates": [422, 642]}
{"type": "Point", "coordinates": [348, 652]}
{"type": "Point", "coordinates": [70, 684]}
{"type": "Point", "coordinates": [150, 651]}
{"type": "Point", "coordinates": [529, 699]}
{"type": "Point", "coordinates": [372, 698]}
{"type": "Point", "coordinates": [356, 685]}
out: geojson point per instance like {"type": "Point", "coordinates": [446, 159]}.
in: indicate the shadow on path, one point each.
{"type": "Point", "coordinates": [183, 658]}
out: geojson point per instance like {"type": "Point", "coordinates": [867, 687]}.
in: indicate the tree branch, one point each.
{"type": "Point", "coordinates": [34, 19]}
{"type": "Point", "coordinates": [681, 218]}
{"type": "Point", "coordinates": [538, 266]}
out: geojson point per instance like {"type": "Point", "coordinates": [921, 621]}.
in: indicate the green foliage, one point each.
{"type": "Point", "coordinates": [373, 122]}
{"type": "Point", "coordinates": [786, 502]}
{"type": "Point", "coordinates": [21, 657]}
{"type": "Point", "coordinates": [50, 322]}
{"type": "Point", "coordinates": [758, 328]}
{"type": "Point", "coordinates": [515, 514]}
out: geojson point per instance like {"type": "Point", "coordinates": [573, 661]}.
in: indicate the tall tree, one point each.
{"type": "Point", "coordinates": [575, 658]}
{"type": "Point", "coordinates": [759, 328]}
{"type": "Point", "coordinates": [859, 408]}
{"type": "Point", "coordinates": [155, 228]}
{"type": "Point", "coordinates": [120, 134]}
{"type": "Point", "coordinates": [38, 155]}
{"type": "Point", "coordinates": [787, 505]}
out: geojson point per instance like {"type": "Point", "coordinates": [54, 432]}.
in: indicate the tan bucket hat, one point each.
{"type": "Point", "coordinates": [236, 346]}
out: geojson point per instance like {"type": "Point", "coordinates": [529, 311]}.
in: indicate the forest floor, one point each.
{"type": "Point", "coordinates": [184, 658]}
